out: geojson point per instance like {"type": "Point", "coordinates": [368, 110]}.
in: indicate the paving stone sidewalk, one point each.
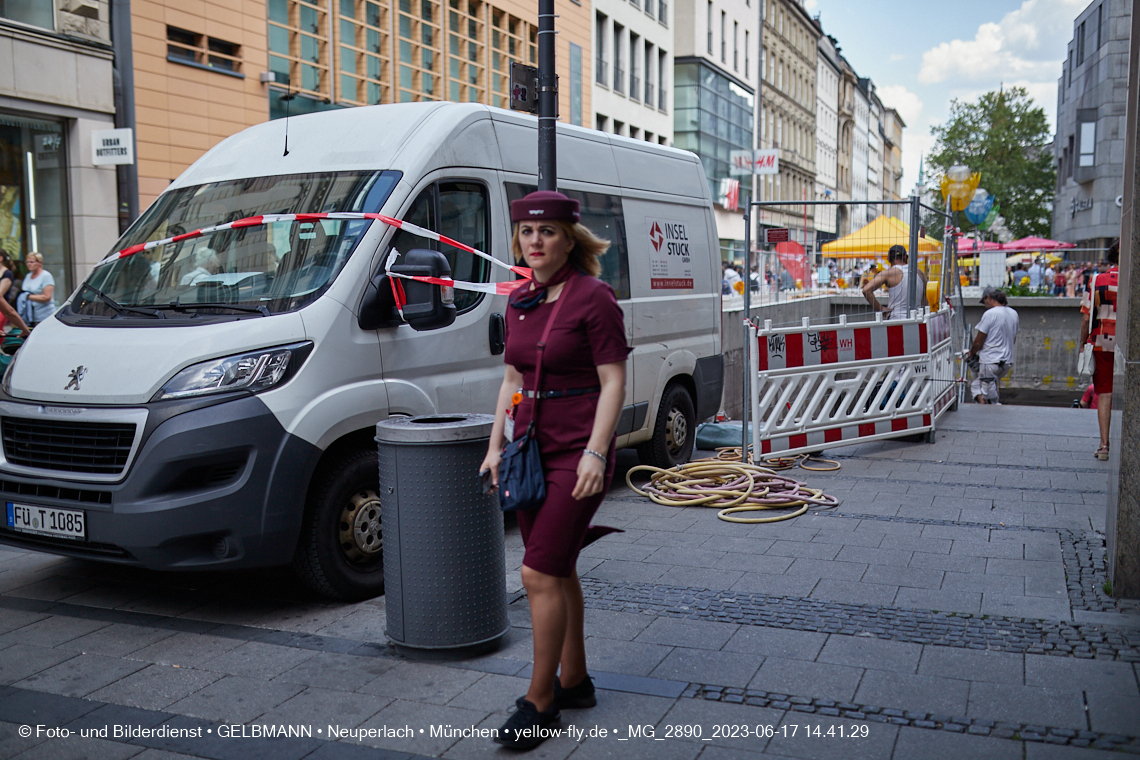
{"type": "Point", "coordinates": [951, 606]}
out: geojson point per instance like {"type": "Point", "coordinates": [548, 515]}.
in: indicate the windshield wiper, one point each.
{"type": "Point", "coordinates": [118, 307]}
{"type": "Point", "coordinates": [185, 307]}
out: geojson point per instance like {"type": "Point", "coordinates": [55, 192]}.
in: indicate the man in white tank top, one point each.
{"type": "Point", "coordinates": [895, 278]}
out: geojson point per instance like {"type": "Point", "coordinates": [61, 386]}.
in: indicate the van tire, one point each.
{"type": "Point", "coordinates": [328, 559]}
{"type": "Point", "coordinates": [674, 432]}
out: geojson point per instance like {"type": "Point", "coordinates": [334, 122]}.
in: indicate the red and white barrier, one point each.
{"type": "Point", "coordinates": [818, 387]}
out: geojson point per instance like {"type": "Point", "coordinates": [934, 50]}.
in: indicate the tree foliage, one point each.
{"type": "Point", "coordinates": [1005, 136]}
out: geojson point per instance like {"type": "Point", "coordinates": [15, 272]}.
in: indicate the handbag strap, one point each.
{"type": "Point", "coordinates": [542, 345]}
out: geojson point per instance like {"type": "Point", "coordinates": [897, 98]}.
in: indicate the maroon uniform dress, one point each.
{"type": "Point", "coordinates": [590, 331]}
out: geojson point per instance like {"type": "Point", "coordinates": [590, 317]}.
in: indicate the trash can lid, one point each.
{"type": "Point", "coordinates": [435, 428]}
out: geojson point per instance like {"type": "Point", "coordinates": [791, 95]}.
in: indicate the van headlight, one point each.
{"type": "Point", "coordinates": [254, 372]}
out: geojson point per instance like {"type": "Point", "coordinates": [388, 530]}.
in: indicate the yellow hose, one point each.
{"type": "Point", "coordinates": [731, 487]}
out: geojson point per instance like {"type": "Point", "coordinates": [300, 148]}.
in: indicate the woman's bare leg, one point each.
{"type": "Point", "coordinates": [573, 658]}
{"type": "Point", "coordinates": [548, 621]}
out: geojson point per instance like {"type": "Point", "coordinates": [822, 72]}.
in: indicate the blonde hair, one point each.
{"type": "Point", "coordinates": [39, 257]}
{"type": "Point", "coordinates": [588, 247]}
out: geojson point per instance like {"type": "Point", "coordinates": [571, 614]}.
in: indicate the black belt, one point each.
{"type": "Point", "coordinates": [563, 393]}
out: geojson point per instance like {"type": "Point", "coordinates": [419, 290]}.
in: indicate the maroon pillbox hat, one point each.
{"type": "Point", "coordinates": [545, 205]}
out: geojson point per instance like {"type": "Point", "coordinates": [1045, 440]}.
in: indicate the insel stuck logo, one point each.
{"type": "Point", "coordinates": [670, 261]}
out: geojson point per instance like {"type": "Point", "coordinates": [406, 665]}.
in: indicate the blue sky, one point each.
{"type": "Point", "coordinates": [922, 55]}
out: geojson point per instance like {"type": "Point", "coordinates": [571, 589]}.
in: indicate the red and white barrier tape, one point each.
{"type": "Point", "coordinates": [257, 221]}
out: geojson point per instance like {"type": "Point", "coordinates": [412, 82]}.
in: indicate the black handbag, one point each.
{"type": "Point", "coordinates": [522, 482]}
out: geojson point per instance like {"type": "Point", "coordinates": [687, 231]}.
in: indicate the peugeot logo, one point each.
{"type": "Point", "coordinates": [75, 378]}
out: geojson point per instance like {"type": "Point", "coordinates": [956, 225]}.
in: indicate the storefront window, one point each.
{"type": "Point", "coordinates": [34, 12]}
{"type": "Point", "coordinates": [33, 196]}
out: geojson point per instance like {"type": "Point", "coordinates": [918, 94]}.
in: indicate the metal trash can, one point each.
{"type": "Point", "coordinates": [444, 555]}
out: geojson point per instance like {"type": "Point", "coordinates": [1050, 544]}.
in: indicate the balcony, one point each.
{"type": "Point", "coordinates": [600, 69]}
{"type": "Point", "coordinates": [619, 80]}
{"type": "Point", "coordinates": [634, 87]}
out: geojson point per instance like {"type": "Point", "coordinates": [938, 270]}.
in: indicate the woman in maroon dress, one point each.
{"type": "Point", "coordinates": [583, 389]}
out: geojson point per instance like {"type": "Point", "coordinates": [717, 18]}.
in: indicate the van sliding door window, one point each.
{"type": "Point", "coordinates": [602, 215]}
{"type": "Point", "coordinates": [459, 211]}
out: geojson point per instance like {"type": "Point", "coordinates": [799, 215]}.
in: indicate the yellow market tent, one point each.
{"type": "Point", "coordinates": [877, 238]}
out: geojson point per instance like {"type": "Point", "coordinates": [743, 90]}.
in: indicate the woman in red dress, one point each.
{"type": "Point", "coordinates": [583, 389]}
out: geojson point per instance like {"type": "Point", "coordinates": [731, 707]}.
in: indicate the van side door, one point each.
{"type": "Point", "coordinates": [452, 369]}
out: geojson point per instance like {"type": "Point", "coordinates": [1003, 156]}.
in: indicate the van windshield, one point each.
{"type": "Point", "coordinates": [263, 269]}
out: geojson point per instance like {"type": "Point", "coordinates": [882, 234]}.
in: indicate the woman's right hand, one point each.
{"type": "Point", "coordinates": [491, 462]}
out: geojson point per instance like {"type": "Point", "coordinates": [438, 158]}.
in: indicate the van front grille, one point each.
{"type": "Point", "coordinates": [85, 447]}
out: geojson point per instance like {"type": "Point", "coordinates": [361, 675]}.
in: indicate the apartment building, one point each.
{"type": "Point", "coordinates": [1089, 144]}
{"type": "Point", "coordinates": [874, 149]}
{"type": "Point", "coordinates": [788, 107]}
{"type": "Point", "coordinates": [633, 69]}
{"type": "Point", "coordinates": [715, 78]}
{"type": "Point", "coordinates": [56, 90]}
{"type": "Point", "coordinates": [893, 126]}
{"type": "Point", "coordinates": [848, 82]}
{"type": "Point", "coordinates": [828, 74]}
{"type": "Point", "coordinates": [860, 160]}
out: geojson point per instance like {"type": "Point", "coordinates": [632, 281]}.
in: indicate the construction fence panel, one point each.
{"type": "Point", "coordinates": [816, 387]}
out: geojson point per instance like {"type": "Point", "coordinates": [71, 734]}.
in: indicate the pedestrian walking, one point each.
{"type": "Point", "coordinates": [1036, 275]}
{"type": "Point", "coordinates": [582, 376]}
{"type": "Point", "coordinates": [8, 312]}
{"type": "Point", "coordinates": [895, 278]}
{"type": "Point", "coordinates": [731, 277]}
{"type": "Point", "coordinates": [1098, 327]}
{"type": "Point", "coordinates": [991, 354]}
{"type": "Point", "coordinates": [37, 293]}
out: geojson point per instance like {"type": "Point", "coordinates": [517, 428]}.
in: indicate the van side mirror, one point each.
{"type": "Point", "coordinates": [429, 307]}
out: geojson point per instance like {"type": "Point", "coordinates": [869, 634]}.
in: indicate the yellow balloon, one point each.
{"type": "Point", "coordinates": [841, 282]}
{"type": "Point", "coordinates": [738, 286]}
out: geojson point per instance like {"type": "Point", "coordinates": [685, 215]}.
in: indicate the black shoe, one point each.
{"type": "Point", "coordinates": [576, 697]}
{"type": "Point", "coordinates": [526, 728]}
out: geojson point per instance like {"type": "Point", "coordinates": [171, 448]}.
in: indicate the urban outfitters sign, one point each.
{"type": "Point", "coordinates": [670, 260]}
{"type": "Point", "coordinates": [112, 146]}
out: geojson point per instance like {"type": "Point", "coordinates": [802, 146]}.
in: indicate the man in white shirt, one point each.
{"type": "Point", "coordinates": [1035, 274]}
{"type": "Point", "coordinates": [991, 355]}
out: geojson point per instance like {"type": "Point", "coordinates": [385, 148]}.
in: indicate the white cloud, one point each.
{"type": "Point", "coordinates": [904, 101]}
{"type": "Point", "coordinates": [811, 5]}
{"type": "Point", "coordinates": [1028, 43]}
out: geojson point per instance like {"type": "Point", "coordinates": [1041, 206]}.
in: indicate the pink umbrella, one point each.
{"type": "Point", "coordinates": [966, 246]}
{"type": "Point", "coordinates": [1036, 244]}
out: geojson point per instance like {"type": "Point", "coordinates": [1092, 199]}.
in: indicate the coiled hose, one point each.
{"type": "Point", "coordinates": [731, 487]}
{"type": "Point", "coordinates": [732, 454]}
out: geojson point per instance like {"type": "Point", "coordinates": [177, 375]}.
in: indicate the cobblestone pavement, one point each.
{"type": "Point", "coordinates": [951, 606]}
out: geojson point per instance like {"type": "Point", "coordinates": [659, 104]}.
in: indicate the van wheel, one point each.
{"type": "Point", "coordinates": [341, 553]}
{"type": "Point", "coordinates": [674, 432]}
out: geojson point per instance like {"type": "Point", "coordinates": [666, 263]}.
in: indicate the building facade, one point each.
{"type": "Point", "coordinates": [860, 160]}
{"type": "Point", "coordinates": [788, 110]}
{"type": "Point", "coordinates": [1089, 144]}
{"type": "Point", "coordinates": [715, 79]}
{"type": "Point", "coordinates": [874, 149]}
{"type": "Point", "coordinates": [197, 72]}
{"type": "Point", "coordinates": [206, 71]}
{"type": "Point", "coordinates": [56, 88]}
{"type": "Point", "coordinates": [845, 164]}
{"type": "Point", "coordinates": [893, 127]}
{"type": "Point", "coordinates": [633, 69]}
{"type": "Point", "coordinates": [827, 77]}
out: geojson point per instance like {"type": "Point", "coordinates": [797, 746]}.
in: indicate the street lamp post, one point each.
{"type": "Point", "coordinates": [547, 99]}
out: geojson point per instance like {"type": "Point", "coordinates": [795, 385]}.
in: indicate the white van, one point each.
{"type": "Point", "coordinates": [211, 403]}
